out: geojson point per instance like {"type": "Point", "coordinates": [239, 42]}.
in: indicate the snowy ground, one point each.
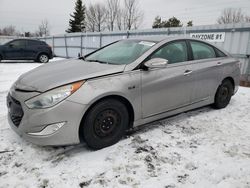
{"type": "Point", "coordinates": [203, 148]}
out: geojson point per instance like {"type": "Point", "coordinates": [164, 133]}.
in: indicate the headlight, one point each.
{"type": "Point", "coordinates": [53, 97]}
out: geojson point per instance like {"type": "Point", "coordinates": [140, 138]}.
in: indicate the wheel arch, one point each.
{"type": "Point", "coordinates": [231, 80]}
{"type": "Point", "coordinates": [40, 53]}
{"type": "Point", "coordinates": [120, 98]}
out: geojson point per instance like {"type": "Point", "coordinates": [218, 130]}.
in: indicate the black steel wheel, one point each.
{"type": "Point", "coordinates": [223, 94]}
{"type": "Point", "coordinates": [105, 123]}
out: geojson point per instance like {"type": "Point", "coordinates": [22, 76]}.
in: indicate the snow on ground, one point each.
{"type": "Point", "coordinates": [201, 148]}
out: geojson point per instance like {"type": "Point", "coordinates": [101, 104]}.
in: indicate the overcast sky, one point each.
{"type": "Point", "coordinates": [26, 15]}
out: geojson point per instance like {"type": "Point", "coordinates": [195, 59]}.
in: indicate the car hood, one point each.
{"type": "Point", "coordinates": [59, 73]}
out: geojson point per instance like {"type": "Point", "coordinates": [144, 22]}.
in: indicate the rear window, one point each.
{"type": "Point", "coordinates": [43, 43]}
{"type": "Point", "coordinates": [32, 43]}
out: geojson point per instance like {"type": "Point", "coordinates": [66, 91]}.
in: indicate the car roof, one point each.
{"type": "Point", "coordinates": [158, 39]}
{"type": "Point", "coordinates": [27, 39]}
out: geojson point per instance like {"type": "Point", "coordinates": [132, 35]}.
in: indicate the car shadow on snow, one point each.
{"type": "Point", "coordinates": [59, 153]}
{"type": "Point", "coordinates": [18, 61]}
{"type": "Point", "coordinates": [172, 119]}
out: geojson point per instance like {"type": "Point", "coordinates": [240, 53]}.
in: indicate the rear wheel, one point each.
{"type": "Point", "coordinates": [105, 124]}
{"type": "Point", "coordinates": [43, 58]}
{"type": "Point", "coordinates": [1, 58]}
{"type": "Point", "coordinates": [223, 94]}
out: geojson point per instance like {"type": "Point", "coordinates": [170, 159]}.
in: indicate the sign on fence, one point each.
{"type": "Point", "coordinates": [210, 37]}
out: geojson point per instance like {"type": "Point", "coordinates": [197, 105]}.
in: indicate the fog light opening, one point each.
{"type": "Point", "coordinates": [49, 129]}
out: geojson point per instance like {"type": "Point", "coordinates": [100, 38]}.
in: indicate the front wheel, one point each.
{"type": "Point", "coordinates": [105, 124]}
{"type": "Point", "coordinates": [43, 58]}
{"type": "Point", "coordinates": [223, 95]}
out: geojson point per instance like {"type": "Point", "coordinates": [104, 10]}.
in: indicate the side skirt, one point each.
{"type": "Point", "coordinates": [173, 112]}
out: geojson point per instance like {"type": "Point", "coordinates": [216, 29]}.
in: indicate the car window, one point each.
{"type": "Point", "coordinates": [174, 52]}
{"type": "Point", "coordinates": [32, 43]}
{"type": "Point", "coordinates": [42, 43]}
{"type": "Point", "coordinates": [122, 52]}
{"type": "Point", "coordinates": [18, 43]}
{"type": "Point", "coordinates": [219, 53]}
{"type": "Point", "coordinates": [202, 50]}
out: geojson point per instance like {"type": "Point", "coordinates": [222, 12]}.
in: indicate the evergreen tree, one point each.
{"type": "Point", "coordinates": [77, 21]}
{"type": "Point", "coordinates": [171, 22]}
{"type": "Point", "coordinates": [157, 23]}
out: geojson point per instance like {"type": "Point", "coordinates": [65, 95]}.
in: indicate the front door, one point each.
{"type": "Point", "coordinates": [15, 49]}
{"type": "Point", "coordinates": [165, 89]}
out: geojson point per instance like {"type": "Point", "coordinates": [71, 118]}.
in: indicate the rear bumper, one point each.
{"type": "Point", "coordinates": [51, 55]}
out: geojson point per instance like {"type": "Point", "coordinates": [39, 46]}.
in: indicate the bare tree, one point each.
{"type": "Point", "coordinates": [96, 17]}
{"type": "Point", "coordinates": [132, 13]}
{"type": "Point", "coordinates": [247, 18]}
{"type": "Point", "coordinates": [91, 16]}
{"type": "Point", "coordinates": [120, 19]}
{"type": "Point", "coordinates": [44, 28]}
{"type": "Point", "coordinates": [231, 15]}
{"type": "Point", "coordinates": [112, 12]}
{"type": "Point", "coordinates": [9, 31]}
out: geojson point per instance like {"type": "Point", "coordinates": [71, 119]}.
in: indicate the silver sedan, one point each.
{"type": "Point", "coordinates": [128, 83]}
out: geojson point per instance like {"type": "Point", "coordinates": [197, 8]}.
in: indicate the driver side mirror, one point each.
{"type": "Point", "coordinates": [156, 63]}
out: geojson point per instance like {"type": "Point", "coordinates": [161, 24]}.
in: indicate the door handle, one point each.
{"type": "Point", "coordinates": [219, 63]}
{"type": "Point", "coordinates": [187, 72]}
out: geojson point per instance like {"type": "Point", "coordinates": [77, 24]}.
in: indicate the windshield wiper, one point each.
{"type": "Point", "coordinates": [96, 60]}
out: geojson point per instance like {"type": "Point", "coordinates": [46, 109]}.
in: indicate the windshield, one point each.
{"type": "Point", "coordinates": [122, 52]}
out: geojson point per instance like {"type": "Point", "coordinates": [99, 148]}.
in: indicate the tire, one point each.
{"type": "Point", "coordinates": [105, 124]}
{"type": "Point", "coordinates": [1, 58]}
{"type": "Point", "coordinates": [223, 94]}
{"type": "Point", "coordinates": [43, 58]}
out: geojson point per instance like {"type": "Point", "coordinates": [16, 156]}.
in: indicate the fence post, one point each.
{"type": "Point", "coordinates": [127, 34]}
{"type": "Point", "coordinates": [168, 30]}
{"type": "Point", "coordinates": [100, 40]}
{"type": "Point", "coordinates": [248, 69]}
{"type": "Point", "coordinates": [81, 44]}
{"type": "Point", "coordinates": [53, 45]}
{"type": "Point", "coordinates": [66, 47]}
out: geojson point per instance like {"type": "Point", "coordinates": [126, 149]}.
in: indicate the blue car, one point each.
{"type": "Point", "coordinates": [26, 49]}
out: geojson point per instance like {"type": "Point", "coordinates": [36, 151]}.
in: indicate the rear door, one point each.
{"type": "Point", "coordinates": [32, 49]}
{"type": "Point", "coordinates": [207, 69]}
{"type": "Point", "coordinates": [165, 89]}
{"type": "Point", "coordinates": [15, 49]}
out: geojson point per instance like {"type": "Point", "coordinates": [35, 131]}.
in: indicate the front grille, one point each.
{"type": "Point", "coordinates": [15, 110]}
